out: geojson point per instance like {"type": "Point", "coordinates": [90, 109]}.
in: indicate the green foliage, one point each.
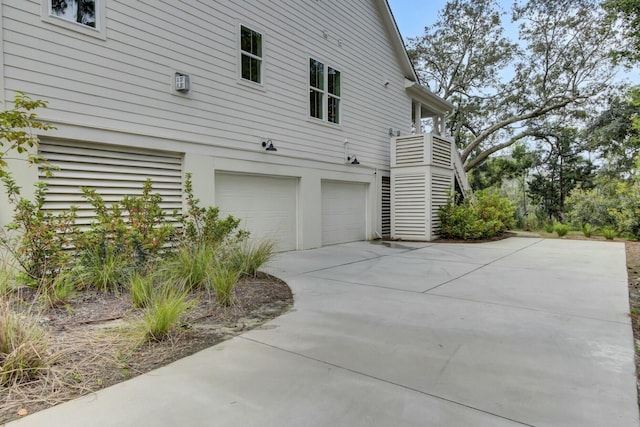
{"type": "Point", "coordinates": [189, 265]}
{"type": "Point", "coordinates": [60, 291]}
{"type": "Point", "coordinates": [16, 129]}
{"type": "Point", "coordinates": [23, 347]}
{"type": "Point", "coordinates": [587, 230]}
{"type": "Point", "coordinates": [38, 239]}
{"type": "Point", "coordinates": [249, 256]}
{"type": "Point", "coordinates": [594, 206]}
{"type": "Point", "coordinates": [549, 227]}
{"type": "Point", "coordinates": [561, 229]}
{"type": "Point", "coordinates": [224, 278]}
{"type": "Point", "coordinates": [483, 216]}
{"type": "Point", "coordinates": [141, 289]}
{"type": "Point", "coordinates": [627, 13]}
{"type": "Point", "coordinates": [165, 310]}
{"type": "Point", "coordinates": [105, 268]}
{"type": "Point", "coordinates": [204, 225]}
{"type": "Point", "coordinates": [609, 233]}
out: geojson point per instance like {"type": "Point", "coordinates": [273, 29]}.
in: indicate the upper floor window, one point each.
{"type": "Point", "coordinates": [78, 11]}
{"type": "Point", "coordinates": [324, 92]}
{"type": "Point", "coordinates": [251, 55]}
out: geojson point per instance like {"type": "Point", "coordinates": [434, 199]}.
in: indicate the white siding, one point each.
{"type": "Point", "coordinates": [123, 82]}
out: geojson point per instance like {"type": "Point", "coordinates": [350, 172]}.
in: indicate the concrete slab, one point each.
{"type": "Point", "coordinates": [516, 332]}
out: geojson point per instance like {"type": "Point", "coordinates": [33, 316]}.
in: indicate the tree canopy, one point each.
{"type": "Point", "coordinates": [504, 91]}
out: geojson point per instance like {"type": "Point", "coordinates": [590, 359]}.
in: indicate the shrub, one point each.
{"type": "Point", "coordinates": [609, 233]}
{"type": "Point", "coordinates": [587, 230]}
{"type": "Point", "coordinates": [167, 306]}
{"type": "Point", "coordinates": [204, 225]}
{"type": "Point", "coordinates": [561, 229]}
{"type": "Point", "coordinates": [105, 268]}
{"type": "Point", "coordinates": [23, 347]}
{"type": "Point", "coordinates": [38, 239]}
{"type": "Point", "coordinates": [224, 278]}
{"type": "Point", "coordinates": [248, 256]}
{"type": "Point", "coordinates": [483, 216]}
{"type": "Point", "coordinates": [549, 227]}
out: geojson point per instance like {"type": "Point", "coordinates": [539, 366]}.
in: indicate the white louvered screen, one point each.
{"type": "Point", "coordinates": [441, 151]}
{"type": "Point", "coordinates": [409, 151]}
{"type": "Point", "coordinates": [112, 171]}
{"type": "Point", "coordinates": [440, 190]}
{"type": "Point", "coordinates": [386, 206]}
{"type": "Point", "coordinates": [409, 206]}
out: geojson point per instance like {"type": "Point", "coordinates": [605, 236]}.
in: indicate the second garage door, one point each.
{"type": "Point", "coordinates": [343, 212]}
{"type": "Point", "coordinates": [266, 205]}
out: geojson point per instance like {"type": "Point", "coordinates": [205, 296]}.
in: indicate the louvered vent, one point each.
{"type": "Point", "coordinates": [440, 190]}
{"type": "Point", "coordinates": [386, 206]}
{"type": "Point", "coordinates": [113, 171]}
{"type": "Point", "coordinates": [409, 206]}
{"type": "Point", "coordinates": [410, 151]}
{"type": "Point", "coordinates": [441, 152]}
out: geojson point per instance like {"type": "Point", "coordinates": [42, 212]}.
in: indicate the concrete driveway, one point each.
{"type": "Point", "coordinates": [517, 332]}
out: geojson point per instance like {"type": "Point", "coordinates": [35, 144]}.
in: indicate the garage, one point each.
{"type": "Point", "coordinates": [267, 205]}
{"type": "Point", "coordinates": [344, 210]}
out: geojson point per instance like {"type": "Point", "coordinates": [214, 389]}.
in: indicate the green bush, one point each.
{"type": "Point", "coordinates": [105, 268]}
{"type": "Point", "coordinates": [587, 230]}
{"type": "Point", "coordinates": [549, 227]}
{"type": "Point", "coordinates": [23, 347]}
{"type": "Point", "coordinates": [609, 233]}
{"type": "Point", "coordinates": [482, 216]}
{"type": "Point", "coordinates": [561, 229]}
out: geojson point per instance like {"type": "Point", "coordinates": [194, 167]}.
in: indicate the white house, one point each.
{"type": "Point", "coordinates": [283, 111]}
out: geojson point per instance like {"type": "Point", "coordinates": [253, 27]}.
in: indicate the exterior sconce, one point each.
{"type": "Point", "coordinates": [352, 159]}
{"type": "Point", "coordinates": [182, 83]}
{"type": "Point", "coordinates": [394, 132]}
{"type": "Point", "coordinates": [267, 144]}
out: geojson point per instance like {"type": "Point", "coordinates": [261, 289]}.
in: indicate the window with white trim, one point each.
{"type": "Point", "coordinates": [79, 11]}
{"type": "Point", "coordinates": [324, 92]}
{"type": "Point", "coordinates": [251, 58]}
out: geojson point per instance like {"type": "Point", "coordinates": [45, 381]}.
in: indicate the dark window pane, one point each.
{"type": "Point", "coordinates": [245, 39]}
{"type": "Point", "coordinates": [257, 44]}
{"type": "Point", "coordinates": [334, 82]}
{"type": "Point", "coordinates": [250, 41]}
{"type": "Point", "coordinates": [80, 11]}
{"type": "Point", "coordinates": [333, 113]}
{"type": "Point", "coordinates": [316, 74]}
{"type": "Point", "coordinates": [251, 69]}
{"type": "Point", "coordinates": [315, 104]}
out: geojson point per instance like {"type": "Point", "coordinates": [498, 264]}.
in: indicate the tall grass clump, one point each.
{"type": "Point", "coordinates": [141, 289]}
{"type": "Point", "coordinates": [163, 313]}
{"type": "Point", "coordinates": [224, 278]}
{"type": "Point", "coordinates": [248, 256]}
{"type": "Point", "coordinates": [189, 265]}
{"type": "Point", "coordinates": [105, 269]}
{"type": "Point", "coordinates": [23, 347]}
{"type": "Point", "coordinates": [61, 290]}
{"type": "Point", "coordinates": [561, 229]}
{"type": "Point", "coordinates": [609, 233]}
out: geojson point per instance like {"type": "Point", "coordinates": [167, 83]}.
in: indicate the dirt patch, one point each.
{"type": "Point", "coordinates": [96, 347]}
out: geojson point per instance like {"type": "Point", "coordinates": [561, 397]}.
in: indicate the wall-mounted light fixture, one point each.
{"type": "Point", "coordinates": [394, 132]}
{"type": "Point", "coordinates": [182, 82]}
{"type": "Point", "coordinates": [350, 158]}
{"type": "Point", "coordinates": [353, 160]}
{"type": "Point", "coordinates": [267, 144]}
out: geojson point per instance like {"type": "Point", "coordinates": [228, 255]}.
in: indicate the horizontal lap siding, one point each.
{"type": "Point", "coordinates": [124, 82]}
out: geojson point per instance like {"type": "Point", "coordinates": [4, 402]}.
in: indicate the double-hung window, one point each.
{"type": "Point", "coordinates": [79, 11]}
{"type": "Point", "coordinates": [324, 92]}
{"type": "Point", "coordinates": [251, 55]}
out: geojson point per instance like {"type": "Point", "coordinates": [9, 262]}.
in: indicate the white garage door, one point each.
{"type": "Point", "coordinates": [266, 205]}
{"type": "Point", "coordinates": [343, 212]}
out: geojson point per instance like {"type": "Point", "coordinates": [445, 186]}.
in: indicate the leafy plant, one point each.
{"type": "Point", "coordinates": [38, 239]}
{"type": "Point", "coordinates": [167, 306]}
{"type": "Point", "coordinates": [561, 229]}
{"type": "Point", "coordinates": [204, 225]}
{"type": "Point", "coordinates": [609, 233]}
{"type": "Point", "coordinates": [483, 216]}
{"type": "Point", "coordinates": [107, 270]}
{"type": "Point", "coordinates": [587, 230]}
{"type": "Point", "coordinates": [23, 347]}
{"type": "Point", "coordinates": [549, 227]}
{"type": "Point", "coordinates": [189, 265]}
{"type": "Point", "coordinates": [224, 278]}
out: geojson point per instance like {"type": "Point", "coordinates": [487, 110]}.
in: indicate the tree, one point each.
{"type": "Point", "coordinates": [561, 168]}
{"type": "Point", "coordinates": [627, 12]}
{"type": "Point", "coordinates": [560, 65]}
{"type": "Point", "coordinates": [16, 129]}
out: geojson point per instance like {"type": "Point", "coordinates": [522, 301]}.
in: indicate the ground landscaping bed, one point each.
{"type": "Point", "coordinates": [633, 273]}
{"type": "Point", "coordinates": [95, 344]}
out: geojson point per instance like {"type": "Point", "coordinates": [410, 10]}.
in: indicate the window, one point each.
{"type": "Point", "coordinates": [250, 55]}
{"type": "Point", "coordinates": [324, 92]}
{"type": "Point", "coordinates": [80, 11]}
